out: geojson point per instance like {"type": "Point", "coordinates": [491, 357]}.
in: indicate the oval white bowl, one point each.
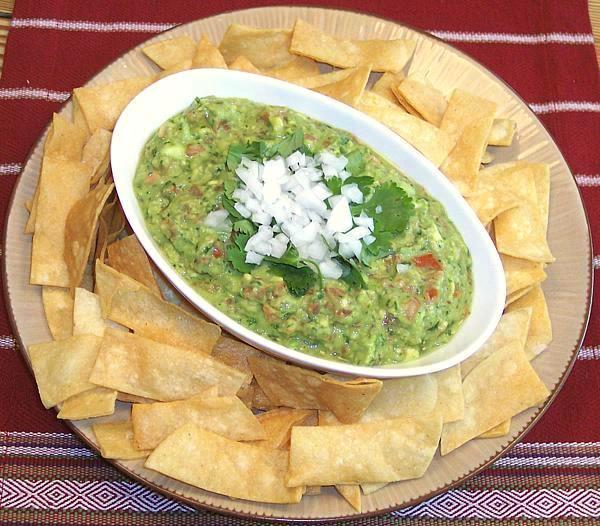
{"type": "Point", "coordinates": [169, 96]}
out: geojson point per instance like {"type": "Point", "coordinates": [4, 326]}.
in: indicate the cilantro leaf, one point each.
{"type": "Point", "coordinates": [236, 256]}
{"type": "Point", "coordinates": [244, 226]}
{"type": "Point", "coordinates": [396, 208]}
{"type": "Point", "coordinates": [240, 240]}
{"type": "Point", "coordinates": [229, 186]}
{"type": "Point", "coordinates": [228, 204]}
{"type": "Point", "coordinates": [298, 280]}
{"type": "Point", "coordinates": [290, 257]}
{"type": "Point", "coordinates": [363, 182]}
{"type": "Point", "coordinates": [290, 144]}
{"type": "Point", "coordinates": [334, 184]}
{"type": "Point", "coordinates": [256, 151]}
{"type": "Point", "coordinates": [351, 274]}
{"type": "Point", "coordinates": [356, 163]}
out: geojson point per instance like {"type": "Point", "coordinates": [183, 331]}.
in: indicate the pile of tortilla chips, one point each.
{"type": "Point", "coordinates": [209, 410]}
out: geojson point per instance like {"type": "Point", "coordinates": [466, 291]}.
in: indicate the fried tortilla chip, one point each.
{"type": "Point", "coordinates": [133, 305]}
{"type": "Point", "coordinates": [102, 105]}
{"type": "Point", "coordinates": [383, 55]}
{"type": "Point", "coordinates": [291, 386]}
{"type": "Point", "coordinates": [540, 328]}
{"type": "Point", "coordinates": [168, 53]}
{"type": "Point", "coordinates": [317, 81]}
{"type": "Point", "coordinates": [80, 230]}
{"type": "Point", "coordinates": [184, 65]}
{"type": "Point", "coordinates": [351, 493]}
{"type": "Point", "coordinates": [433, 143]}
{"type": "Point", "coordinates": [500, 430]}
{"type": "Point", "coordinates": [384, 85]}
{"type": "Point", "coordinates": [487, 158]}
{"type": "Point", "coordinates": [260, 400]}
{"type": "Point", "coordinates": [468, 120]}
{"type": "Point", "coordinates": [265, 48]}
{"type": "Point", "coordinates": [225, 415]}
{"type": "Point", "coordinates": [278, 424]}
{"type": "Point", "coordinates": [367, 489]}
{"type": "Point", "coordinates": [521, 231]}
{"type": "Point", "coordinates": [384, 451]}
{"type": "Point", "coordinates": [62, 184]}
{"type": "Point", "coordinates": [128, 257]}
{"type": "Point", "coordinates": [350, 89]}
{"type": "Point", "coordinates": [96, 154]}
{"type": "Point", "coordinates": [92, 403]}
{"type": "Point", "coordinates": [297, 68]}
{"type": "Point", "coordinates": [62, 368]}
{"type": "Point", "coordinates": [512, 327]}
{"type": "Point", "coordinates": [116, 441]}
{"type": "Point", "coordinates": [65, 139]}
{"type": "Point", "coordinates": [241, 63]}
{"type": "Point", "coordinates": [87, 313]}
{"type": "Point", "coordinates": [58, 307]}
{"type": "Point", "coordinates": [521, 273]}
{"type": "Point", "coordinates": [139, 366]}
{"type": "Point", "coordinates": [207, 55]}
{"type": "Point", "coordinates": [450, 400]}
{"type": "Point", "coordinates": [427, 101]}
{"type": "Point", "coordinates": [215, 463]}
{"type": "Point", "coordinates": [500, 387]}
{"type": "Point", "coordinates": [502, 132]}
{"type": "Point", "coordinates": [514, 296]}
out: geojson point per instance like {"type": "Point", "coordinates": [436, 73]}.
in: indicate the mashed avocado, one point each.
{"type": "Point", "coordinates": [412, 300]}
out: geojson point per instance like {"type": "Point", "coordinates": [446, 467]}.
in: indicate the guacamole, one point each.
{"type": "Point", "coordinates": [404, 301]}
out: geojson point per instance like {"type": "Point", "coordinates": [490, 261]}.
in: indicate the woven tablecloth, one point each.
{"type": "Point", "coordinates": [543, 49]}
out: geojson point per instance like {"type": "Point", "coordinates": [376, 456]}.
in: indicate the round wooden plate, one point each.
{"type": "Point", "coordinates": [568, 287]}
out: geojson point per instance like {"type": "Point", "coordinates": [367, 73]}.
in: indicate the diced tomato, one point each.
{"type": "Point", "coordinates": [217, 252]}
{"type": "Point", "coordinates": [427, 261]}
{"type": "Point", "coordinates": [431, 293]}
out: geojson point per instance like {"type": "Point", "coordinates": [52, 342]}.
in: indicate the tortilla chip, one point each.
{"type": "Point", "coordinates": [102, 105]}
{"type": "Point", "coordinates": [58, 307]}
{"type": "Point", "coordinates": [468, 119]}
{"type": "Point", "coordinates": [384, 451]}
{"type": "Point", "coordinates": [351, 493]}
{"type": "Point", "coordinates": [80, 230]}
{"type": "Point", "coordinates": [126, 397]}
{"type": "Point", "coordinates": [521, 231]}
{"type": "Point", "coordinates": [139, 366]}
{"type": "Point", "coordinates": [540, 328]}
{"type": "Point", "coordinates": [207, 55]}
{"type": "Point", "coordinates": [128, 257]}
{"type": "Point", "coordinates": [514, 296]}
{"type": "Point", "coordinates": [278, 424]}
{"type": "Point", "coordinates": [241, 63]}
{"type": "Point", "coordinates": [521, 273]}
{"type": "Point", "coordinates": [450, 400]}
{"type": "Point", "coordinates": [384, 85]}
{"type": "Point", "coordinates": [427, 101]}
{"type": "Point", "coordinates": [133, 305]}
{"type": "Point", "coordinates": [226, 416]}
{"type": "Point", "coordinates": [215, 463]}
{"type": "Point", "coordinates": [500, 387]}
{"type": "Point", "coordinates": [92, 403]}
{"type": "Point", "coordinates": [512, 327]}
{"type": "Point", "coordinates": [265, 48]}
{"type": "Point", "coordinates": [65, 139]}
{"type": "Point", "coordinates": [260, 399]}
{"type": "Point", "coordinates": [62, 368]}
{"type": "Point", "coordinates": [79, 119]}
{"type": "Point", "coordinates": [297, 68]}
{"type": "Point", "coordinates": [96, 154]}
{"type": "Point", "coordinates": [487, 158]}
{"type": "Point", "coordinates": [116, 441]}
{"type": "Point", "coordinates": [433, 143]}
{"type": "Point", "coordinates": [502, 132]}
{"type": "Point", "coordinates": [502, 429]}
{"type": "Point", "coordinates": [317, 81]}
{"type": "Point", "coordinates": [350, 89]}
{"type": "Point", "coordinates": [87, 313]}
{"type": "Point", "coordinates": [291, 386]}
{"type": "Point", "coordinates": [62, 184]}
{"type": "Point", "coordinates": [184, 65]}
{"type": "Point", "coordinates": [382, 55]}
{"type": "Point", "coordinates": [372, 487]}
{"type": "Point", "coordinates": [168, 53]}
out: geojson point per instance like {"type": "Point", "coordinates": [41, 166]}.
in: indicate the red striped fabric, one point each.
{"type": "Point", "coordinates": [543, 49]}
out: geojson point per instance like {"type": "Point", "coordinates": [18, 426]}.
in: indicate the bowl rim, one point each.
{"type": "Point", "coordinates": [487, 302]}
{"type": "Point", "coordinates": [204, 506]}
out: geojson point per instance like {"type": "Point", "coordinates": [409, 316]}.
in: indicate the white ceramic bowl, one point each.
{"type": "Point", "coordinates": [169, 96]}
